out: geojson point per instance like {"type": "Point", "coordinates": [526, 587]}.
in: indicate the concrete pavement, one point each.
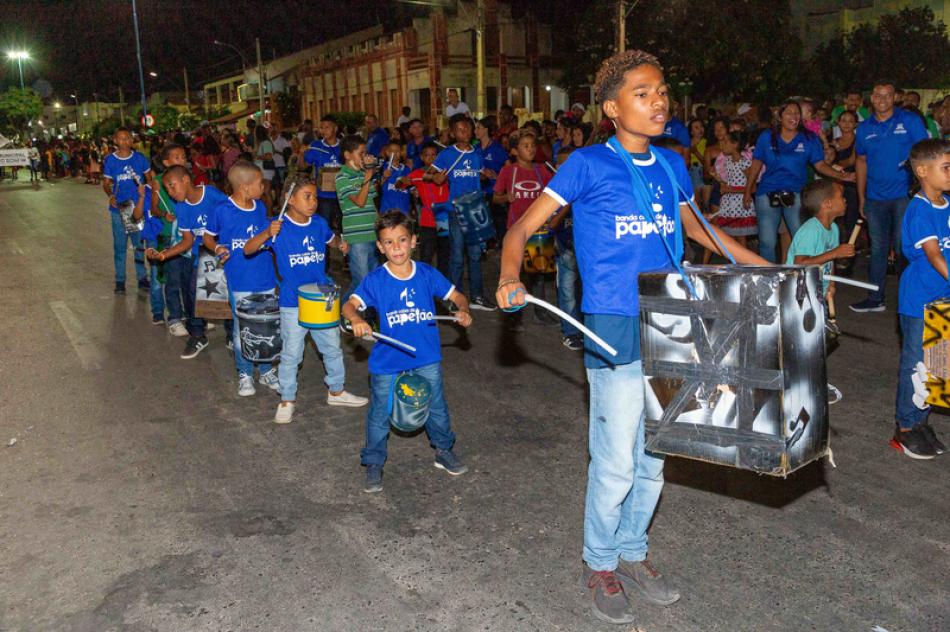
{"type": "Point", "coordinates": [142, 494]}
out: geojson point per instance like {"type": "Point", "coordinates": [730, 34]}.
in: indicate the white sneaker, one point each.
{"type": "Point", "coordinates": [346, 399]}
{"type": "Point", "coordinates": [270, 380]}
{"type": "Point", "coordinates": [285, 413]}
{"type": "Point", "coordinates": [177, 329]}
{"type": "Point", "coordinates": [210, 326]}
{"type": "Point", "coordinates": [246, 386]}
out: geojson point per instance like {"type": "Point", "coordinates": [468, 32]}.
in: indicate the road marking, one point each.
{"type": "Point", "coordinates": [89, 355]}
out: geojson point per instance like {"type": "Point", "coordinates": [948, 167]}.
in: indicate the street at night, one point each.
{"type": "Point", "coordinates": [142, 493]}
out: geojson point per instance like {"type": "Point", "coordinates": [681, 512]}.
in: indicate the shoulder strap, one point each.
{"type": "Point", "coordinates": [689, 200]}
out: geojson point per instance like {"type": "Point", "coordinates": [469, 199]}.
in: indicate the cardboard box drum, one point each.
{"type": "Point", "coordinates": [211, 289]}
{"type": "Point", "coordinates": [328, 179]}
{"type": "Point", "coordinates": [737, 377]}
{"type": "Point", "coordinates": [937, 352]}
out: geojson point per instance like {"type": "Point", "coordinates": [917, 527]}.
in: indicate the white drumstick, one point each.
{"type": "Point", "coordinates": [283, 209]}
{"type": "Point", "coordinates": [587, 332]}
{"type": "Point", "coordinates": [391, 156]}
{"type": "Point", "coordinates": [846, 281]}
{"type": "Point", "coordinates": [551, 167]}
{"type": "Point", "coordinates": [452, 318]}
{"type": "Point", "coordinates": [393, 341]}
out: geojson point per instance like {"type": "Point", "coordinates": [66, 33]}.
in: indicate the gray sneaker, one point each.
{"type": "Point", "coordinates": [608, 600]}
{"type": "Point", "coordinates": [374, 479]}
{"type": "Point", "coordinates": [643, 577]}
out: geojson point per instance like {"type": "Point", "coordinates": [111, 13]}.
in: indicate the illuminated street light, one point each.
{"type": "Point", "coordinates": [19, 56]}
{"type": "Point", "coordinates": [152, 73]}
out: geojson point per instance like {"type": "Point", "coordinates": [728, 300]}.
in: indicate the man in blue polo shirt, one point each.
{"type": "Point", "coordinates": [882, 145]}
{"type": "Point", "coordinates": [616, 237]}
{"type": "Point", "coordinates": [324, 153]}
{"type": "Point", "coordinates": [376, 137]}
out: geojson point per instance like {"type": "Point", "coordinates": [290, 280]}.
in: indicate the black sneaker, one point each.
{"type": "Point", "coordinates": [448, 461]}
{"type": "Point", "coordinates": [193, 347]}
{"type": "Point", "coordinates": [891, 267]}
{"type": "Point", "coordinates": [119, 288]}
{"type": "Point", "coordinates": [914, 443]}
{"type": "Point", "coordinates": [483, 304]}
{"type": "Point", "coordinates": [144, 284]}
{"type": "Point", "coordinates": [938, 445]}
{"type": "Point", "coordinates": [867, 305]}
{"type": "Point", "coordinates": [608, 600]}
{"type": "Point", "coordinates": [374, 479]}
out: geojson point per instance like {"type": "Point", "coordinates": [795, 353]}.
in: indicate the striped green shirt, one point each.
{"type": "Point", "coordinates": [359, 222]}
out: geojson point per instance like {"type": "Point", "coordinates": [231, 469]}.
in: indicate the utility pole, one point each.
{"type": "Point", "coordinates": [121, 106]}
{"type": "Point", "coordinates": [187, 93]}
{"type": "Point", "coordinates": [621, 26]}
{"type": "Point", "coordinates": [260, 77]}
{"type": "Point", "coordinates": [138, 52]}
{"type": "Point", "coordinates": [480, 57]}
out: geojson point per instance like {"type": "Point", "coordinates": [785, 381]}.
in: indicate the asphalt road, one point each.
{"type": "Point", "coordinates": [142, 493]}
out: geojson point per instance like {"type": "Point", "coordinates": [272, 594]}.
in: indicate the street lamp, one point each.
{"type": "Point", "coordinates": [78, 120]}
{"type": "Point", "coordinates": [19, 56]}
{"type": "Point", "coordinates": [152, 73]}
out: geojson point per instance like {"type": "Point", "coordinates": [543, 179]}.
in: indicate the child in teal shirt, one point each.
{"type": "Point", "coordinates": [817, 241]}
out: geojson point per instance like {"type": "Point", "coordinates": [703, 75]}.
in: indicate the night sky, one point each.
{"type": "Point", "coordinates": [87, 46]}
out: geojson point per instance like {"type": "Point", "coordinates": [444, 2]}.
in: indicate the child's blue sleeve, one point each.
{"type": "Point", "coordinates": [920, 227]}
{"type": "Point", "coordinates": [441, 287]}
{"type": "Point", "coordinates": [444, 160]}
{"type": "Point", "coordinates": [213, 227]}
{"type": "Point", "coordinates": [365, 293]}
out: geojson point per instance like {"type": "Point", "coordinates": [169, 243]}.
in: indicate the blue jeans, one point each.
{"type": "Point", "coordinates": [294, 338]}
{"type": "Point", "coordinates": [567, 281]}
{"type": "Point", "coordinates": [364, 258]}
{"type": "Point", "coordinates": [769, 218]}
{"type": "Point", "coordinates": [458, 252]}
{"type": "Point", "coordinates": [438, 427]}
{"type": "Point", "coordinates": [156, 292]}
{"type": "Point", "coordinates": [243, 365]}
{"type": "Point", "coordinates": [178, 273]}
{"type": "Point", "coordinates": [120, 240]}
{"type": "Point", "coordinates": [912, 352]}
{"type": "Point", "coordinates": [884, 225]}
{"type": "Point", "coordinates": [623, 481]}
{"type": "Point", "coordinates": [195, 325]}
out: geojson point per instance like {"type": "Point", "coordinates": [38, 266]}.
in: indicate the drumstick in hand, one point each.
{"type": "Point", "coordinates": [283, 209]}
{"type": "Point", "coordinates": [856, 231]}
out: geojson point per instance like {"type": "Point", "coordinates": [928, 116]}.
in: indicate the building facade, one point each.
{"type": "Point", "coordinates": [380, 73]}
{"type": "Point", "coordinates": [819, 20]}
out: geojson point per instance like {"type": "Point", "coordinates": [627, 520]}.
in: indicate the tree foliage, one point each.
{"type": "Point", "coordinates": [909, 47]}
{"type": "Point", "coordinates": [18, 107]}
{"type": "Point", "coordinates": [748, 50]}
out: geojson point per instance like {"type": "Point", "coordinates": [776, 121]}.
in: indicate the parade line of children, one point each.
{"type": "Point", "coordinates": [627, 172]}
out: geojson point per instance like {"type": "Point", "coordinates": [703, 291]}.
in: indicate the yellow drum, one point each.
{"type": "Point", "coordinates": [318, 306]}
{"type": "Point", "coordinates": [539, 255]}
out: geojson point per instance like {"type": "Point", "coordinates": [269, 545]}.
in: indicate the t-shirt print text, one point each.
{"type": "Point", "coordinates": [306, 258]}
{"type": "Point", "coordinates": [410, 313]}
{"type": "Point", "coordinates": [637, 224]}
{"type": "Point", "coordinates": [237, 244]}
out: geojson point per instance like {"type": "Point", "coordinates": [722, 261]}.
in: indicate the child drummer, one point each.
{"type": "Point", "coordinates": [615, 239]}
{"type": "Point", "coordinates": [402, 291]}
{"type": "Point", "coordinates": [301, 255]}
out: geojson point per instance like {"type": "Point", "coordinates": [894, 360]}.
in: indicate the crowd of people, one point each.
{"type": "Point", "coordinates": [409, 211]}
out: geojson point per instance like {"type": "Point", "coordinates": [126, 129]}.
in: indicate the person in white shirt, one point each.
{"type": "Point", "coordinates": [405, 117]}
{"type": "Point", "coordinates": [280, 144]}
{"type": "Point", "coordinates": [454, 105]}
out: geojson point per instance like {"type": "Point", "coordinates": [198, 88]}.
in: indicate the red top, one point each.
{"type": "Point", "coordinates": [525, 184]}
{"type": "Point", "coordinates": [429, 194]}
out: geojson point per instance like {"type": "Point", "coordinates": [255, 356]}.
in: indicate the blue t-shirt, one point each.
{"type": "Point", "coordinates": [120, 171]}
{"type": "Point", "coordinates": [886, 147]}
{"type": "Point", "coordinates": [376, 141]}
{"type": "Point", "coordinates": [464, 167]}
{"type": "Point", "coordinates": [920, 283]}
{"type": "Point", "coordinates": [321, 155]}
{"type": "Point", "coordinates": [413, 152]}
{"type": "Point", "coordinates": [194, 218]}
{"type": "Point", "coordinates": [406, 309]}
{"type": "Point", "coordinates": [233, 226]}
{"type": "Point", "coordinates": [494, 157]}
{"type": "Point", "coordinates": [614, 240]}
{"type": "Point", "coordinates": [393, 196]}
{"type": "Point", "coordinates": [153, 226]}
{"type": "Point", "coordinates": [786, 164]}
{"type": "Point", "coordinates": [677, 131]}
{"type": "Point", "coordinates": [301, 253]}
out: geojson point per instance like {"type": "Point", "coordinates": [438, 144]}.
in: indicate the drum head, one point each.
{"type": "Point", "coordinates": [412, 395]}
